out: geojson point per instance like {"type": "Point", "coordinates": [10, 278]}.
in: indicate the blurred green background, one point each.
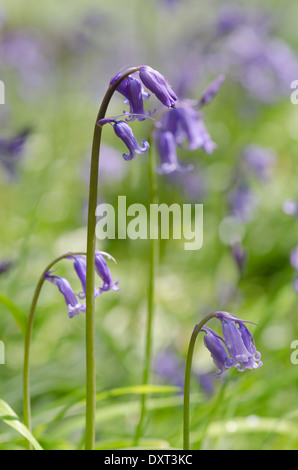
{"type": "Point", "coordinates": [56, 62]}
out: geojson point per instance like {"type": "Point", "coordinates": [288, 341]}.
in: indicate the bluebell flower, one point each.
{"type": "Point", "coordinates": [11, 150]}
{"type": "Point", "coordinates": [73, 301]}
{"type": "Point", "coordinates": [102, 269]}
{"type": "Point", "coordinates": [215, 344]}
{"type": "Point", "coordinates": [158, 85]}
{"type": "Point", "coordinates": [167, 149]}
{"type": "Point", "coordinates": [211, 91]}
{"type": "Point", "coordinates": [123, 86]}
{"type": "Point", "coordinates": [239, 342]}
{"type": "Point", "coordinates": [125, 133]}
{"type": "Point", "coordinates": [135, 100]}
{"type": "Point", "coordinates": [74, 307]}
{"type": "Point", "coordinates": [182, 127]}
{"type": "Point", "coordinates": [81, 268]}
{"type": "Point", "coordinates": [236, 348]}
{"type": "Point", "coordinates": [134, 94]}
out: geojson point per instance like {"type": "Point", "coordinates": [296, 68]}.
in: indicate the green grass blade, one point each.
{"type": "Point", "coordinates": [8, 416]}
{"type": "Point", "coordinates": [18, 314]}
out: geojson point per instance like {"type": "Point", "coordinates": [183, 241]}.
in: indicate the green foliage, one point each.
{"type": "Point", "coordinates": [43, 215]}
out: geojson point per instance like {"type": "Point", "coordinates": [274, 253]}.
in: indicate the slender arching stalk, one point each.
{"type": "Point", "coordinates": [28, 335]}
{"type": "Point", "coordinates": [90, 273]}
{"type": "Point", "coordinates": [187, 379]}
{"type": "Point", "coordinates": [90, 281]}
{"type": "Point", "coordinates": [153, 263]}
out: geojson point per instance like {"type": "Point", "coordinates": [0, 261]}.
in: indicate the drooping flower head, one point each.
{"type": "Point", "coordinates": [72, 300]}
{"type": "Point", "coordinates": [102, 269]}
{"type": "Point", "coordinates": [236, 348]}
{"type": "Point", "coordinates": [215, 344]}
{"type": "Point", "coordinates": [133, 91]}
{"type": "Point", "coordinates": [159, 85]}
{"type": "Point", "coordinates": [74, 307]}
{"type": "Point", "coordinates": [125, 133]}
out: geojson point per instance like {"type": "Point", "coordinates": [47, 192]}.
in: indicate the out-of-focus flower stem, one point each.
{"type": "Point", "coordinates": [28, 336]}
{"type": "Point", "coordinates": [191, 346]}
{"type": "Point", "coordinates": [153, 265]}
{"type": "Point", "coordinates": [90, 271]}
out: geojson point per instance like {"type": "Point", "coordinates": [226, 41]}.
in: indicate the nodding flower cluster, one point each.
{"type": "Point", "coordinates": [134, 94]}
{"type": "Point", "coordinates": [183, 123]}
{"type": "Point", "coordinates": [73, 301]}
{"type": "Point", "coordinates": [183, 127]}
{"type": "Point", "coordinates": [235, 349]}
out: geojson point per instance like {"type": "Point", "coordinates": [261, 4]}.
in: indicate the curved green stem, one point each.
{"type": "Point", "coordinates": [153, 263]}
{"type": "Point", "coordinates": [191, 346]}
{"type": "Point", "coordinates": [28, 335]}
{"type": "Point", "coordinates": [90, 272]}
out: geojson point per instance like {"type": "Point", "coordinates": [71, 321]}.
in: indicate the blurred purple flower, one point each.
{"type": "Point", "coordinates": [31, 56]}
{"type": "Point", "coordinates": [260, 161]}
{"type": "Point", "coordinates": [11, 151]}
{"type": "Point", "coordinates": [242, 203]}
{"type": "Point", "coordinates": [211, 90]}
{"type": "Point", "coordinates": [168, 366]}
{"type": "Point", "coordinates": [191, 129]}
{"type": "Point", "coordinates": [290, 207]}
{"type": "Point", "coordinates": [239, 255]}
{"type": "Point", "coordinates": [167, 150]}
{"type": "Point", "coordinates": [294, 258]}
{"type": "Point", "coordinates": [191, 183]}
{"type": "Point", "coordinates": [229, 19]}
{"type": "Point", "coordinates": [5, 266]}
{"type": "Point", "coordinates": [263, 64]}
{"type": "Point", "coordinates": [184, 127]}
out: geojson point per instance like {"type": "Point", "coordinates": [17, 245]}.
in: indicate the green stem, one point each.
{"type": "Point", "coordinates": [28, 336]}
{"type": "Point", "coordinates": [187, 379]}
{"type": "Point", "coordinates": [90, 279]}
{"type": "Point", "coordinates": [90, 271]}
{"type": "Point", "coordinates": [153, 264]}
